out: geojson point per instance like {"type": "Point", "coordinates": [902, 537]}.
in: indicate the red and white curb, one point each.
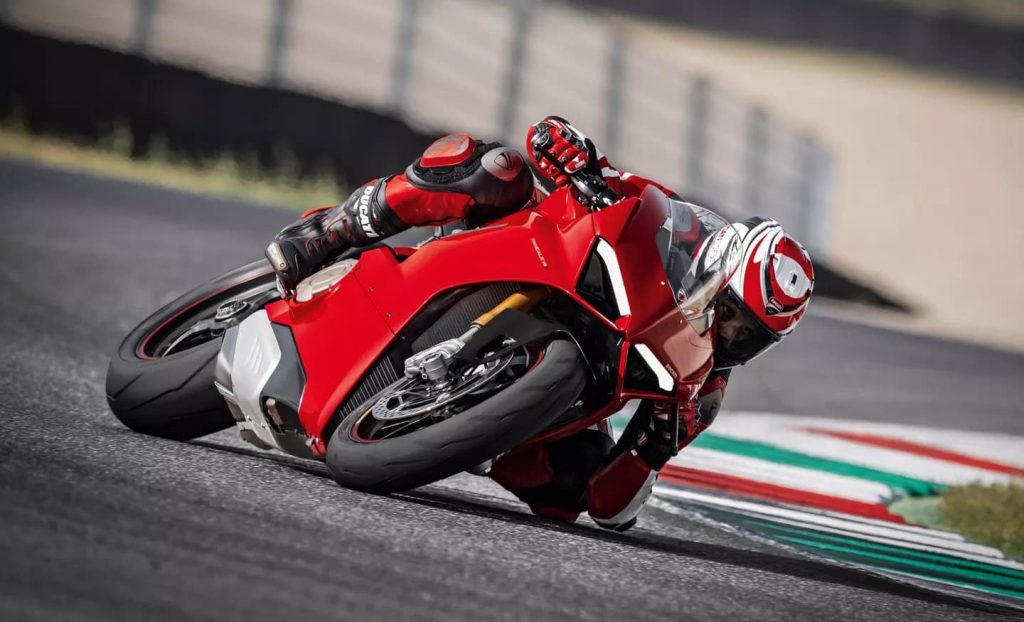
{"type": "Point", "coordinates": [826, 485]}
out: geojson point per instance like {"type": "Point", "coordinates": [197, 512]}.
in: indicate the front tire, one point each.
{"type": "Point", "coordinates": [169, 393]}
{"type": "Point", "coordinates": [475, 435]}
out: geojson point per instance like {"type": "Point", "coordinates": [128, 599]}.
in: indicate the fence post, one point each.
{"type": "Point", "coordinates": [278, 41]}
{"type": "Point", "coordinates": [816, 166]}
{"type": "Point", "coordinates": [513, 79]}
{"type": "Point", "coordinates": [403, 58]}
{"type": "Point", "coordinates": [754, 161]}
{"type": "Point", "coordinates": [697, 135]}
{"type": "Point", "coordinates": [145, 11]}
{"type": "Point", "coordinates": [613, 90]}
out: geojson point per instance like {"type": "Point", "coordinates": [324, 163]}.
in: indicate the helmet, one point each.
{"type": "Point", "coordinates": [767, 295]}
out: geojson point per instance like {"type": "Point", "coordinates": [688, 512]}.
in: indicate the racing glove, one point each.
{"type": "Point", "coordinates": [655, 442]}
{"type": "Point", "coordinates": [558, 150]}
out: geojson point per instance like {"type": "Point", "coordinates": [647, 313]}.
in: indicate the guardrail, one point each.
{"type": "Point", "coordinates": [489, 67]}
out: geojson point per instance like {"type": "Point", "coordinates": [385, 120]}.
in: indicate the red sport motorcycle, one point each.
{"type": "Point", "coordinates": [401, 366]}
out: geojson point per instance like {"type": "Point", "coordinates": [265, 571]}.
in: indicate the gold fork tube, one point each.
{"type": "Point", "coordinates": [523, 300]}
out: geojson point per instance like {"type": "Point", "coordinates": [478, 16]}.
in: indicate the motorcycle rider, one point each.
{"type": "Point", "coordinates": [459, 178]}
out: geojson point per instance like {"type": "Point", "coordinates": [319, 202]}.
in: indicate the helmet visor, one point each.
{"type": "Point", "coordinates": [749, 336]}
{"type": "Point", "coordinates": [698, 261]}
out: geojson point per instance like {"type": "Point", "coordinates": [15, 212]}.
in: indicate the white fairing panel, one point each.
{"type": "Point", "coordinates": [611, 263]}
{"type": "Point", "coordinates": [256, 356]}
{"type": "Point", "coordinates": [665, 382]}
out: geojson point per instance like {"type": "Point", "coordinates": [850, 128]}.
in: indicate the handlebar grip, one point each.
{"type": "Point", "coordinates": [594, 188]}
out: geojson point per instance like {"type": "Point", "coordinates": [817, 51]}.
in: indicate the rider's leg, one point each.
{"type": "Point", "coordinates": [456, 178]}
{"type": "Point", "coordinates": [552, 479]}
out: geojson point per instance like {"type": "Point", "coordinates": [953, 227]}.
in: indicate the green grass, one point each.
{"type": "Point", "coordinates": [990, 514]}
{"type": "Point", "coordinates": [236, 175]}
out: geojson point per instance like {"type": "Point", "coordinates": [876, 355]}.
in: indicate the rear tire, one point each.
{"type": "Point", "coordinates": [173, 396]}
{"type": "Point", "coordinates": [481, 432]}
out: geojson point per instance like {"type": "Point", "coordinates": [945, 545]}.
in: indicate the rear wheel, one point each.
{"type": "Point", "coordinates": [414, 433]}
{"type": "Point", "coordinates": [160, 380]}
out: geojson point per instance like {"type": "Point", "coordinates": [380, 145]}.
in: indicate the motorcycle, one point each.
{"type": "Point", "coordinates": [400, 366]}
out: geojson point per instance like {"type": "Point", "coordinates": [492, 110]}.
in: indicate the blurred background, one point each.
{"type": "Point", "coordinates": [887, 135]}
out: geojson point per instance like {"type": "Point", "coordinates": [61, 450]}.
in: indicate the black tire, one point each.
{"type": "Point", "coordinates": [173, 396]}
{"type": "Point", "coordinates": [465, 440]}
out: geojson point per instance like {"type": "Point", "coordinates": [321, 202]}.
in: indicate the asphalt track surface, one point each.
{"type": "Point", "coordinates": [99, 523]}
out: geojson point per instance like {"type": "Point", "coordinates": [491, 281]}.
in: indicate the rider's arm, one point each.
{"type": "Point", "coordinates": [589, 472]}
{"type": "Point", "coordinates": [618, 490]}
{"type": "Point", "coordinates": [558, 149]}
{"type": "Point", "coordinates": [710, 396]}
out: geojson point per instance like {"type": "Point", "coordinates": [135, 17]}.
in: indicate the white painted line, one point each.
{"type": "Point", "coordinates": [960, 550]}
{"type": "Point", "coordinates": [941, 546]}
{"type": "Point", "coordinates": [768, 472]}
{"type": "Point", "coordinates": [779, 514]}
{"type": "Point", "coordinates": [1004, 448]}
{"type": "Point", "coordinates": [748, 506]}
{"type": "Point", "coordinates": [785, 433]}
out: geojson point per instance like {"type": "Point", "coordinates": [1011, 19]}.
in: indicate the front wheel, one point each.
{"type": "Point", "coordinates": [404, 437]}
{"type": "Point", "coordinates": [160, 380]}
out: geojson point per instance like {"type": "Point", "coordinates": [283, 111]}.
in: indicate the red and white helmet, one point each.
{"type": "Point", "coordinates": [770, 290]}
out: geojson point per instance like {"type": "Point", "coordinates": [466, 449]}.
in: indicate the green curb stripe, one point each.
{"type": "Point", "coordinates": [951, 561]}
{"type": "Point", "coordinates": [912, 562]}
{"type": "Point", "coordinates": [929, 576]}
{"type": "Point", "coordinates": [763, 451]}
{"type": "Point", "coordinates": [895, 559]}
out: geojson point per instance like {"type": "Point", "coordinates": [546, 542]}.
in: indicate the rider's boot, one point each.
{"type": "Point", "coordinates": [456, 178]}
{"type": "Point", "coordinates": [306, 245]}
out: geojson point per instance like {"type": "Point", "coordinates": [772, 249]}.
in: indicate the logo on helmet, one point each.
{"type": "Point", "coordinates": [773, 306]}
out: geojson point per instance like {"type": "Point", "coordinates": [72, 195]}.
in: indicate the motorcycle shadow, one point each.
{"type": "Point", "coordinates": [474, 504]}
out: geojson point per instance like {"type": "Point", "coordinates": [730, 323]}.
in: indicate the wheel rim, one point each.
{"type": "Point", "coordinates": [417, 408]}
{"type": "Point", "coordinates": [206, 319]}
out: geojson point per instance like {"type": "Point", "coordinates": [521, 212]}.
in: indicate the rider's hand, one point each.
{"type": "Point", "coordinates": [557, 149]}
{"type": "Point", "coordinates": [653, 441]}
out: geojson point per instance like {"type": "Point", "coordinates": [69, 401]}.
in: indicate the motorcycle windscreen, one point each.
{"type": "Point", "coordinates": [700, 251]}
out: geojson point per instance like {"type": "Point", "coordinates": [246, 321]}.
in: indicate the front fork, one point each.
{"type": "Point", "coordinates": [432, 364]}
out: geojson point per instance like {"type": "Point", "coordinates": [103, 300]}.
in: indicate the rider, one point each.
{"type": "Point", "coordinates": [459, 178]}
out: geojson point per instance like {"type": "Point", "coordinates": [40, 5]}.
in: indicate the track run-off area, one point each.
{"type": "Point", "coordinates": [767, 516]}
{"type": "Point", "coordinates": [828, 487]}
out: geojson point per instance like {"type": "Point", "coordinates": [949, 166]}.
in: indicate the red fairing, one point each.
{"type": "Point", "coordinates": [417, 207]}
{"type": "Point", "coordinates": [655, 320]}
{"type": "Point", "coordinates": [380, 296]}
{"type": "Point", "coordinates": [548, 245]}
